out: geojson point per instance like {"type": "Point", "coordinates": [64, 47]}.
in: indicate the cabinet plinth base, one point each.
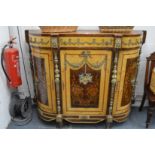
{"type": "Point", "coordinates": [46, 116]}
{"type": "Point", "coordinates": [77, 119]}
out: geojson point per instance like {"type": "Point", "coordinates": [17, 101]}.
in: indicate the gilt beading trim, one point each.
{"type": "Point", "coordinates": [57, 79]}
{"type": "Point", "coordinates": [54, 42]}
{"type": "Point", "coordinates": [118, 42]}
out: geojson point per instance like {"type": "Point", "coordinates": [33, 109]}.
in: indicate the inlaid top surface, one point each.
{"type": "Point", "coordinates": [84, 32]}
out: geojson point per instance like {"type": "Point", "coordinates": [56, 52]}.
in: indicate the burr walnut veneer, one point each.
{"type": "Point", "coordinates": [85, 76]}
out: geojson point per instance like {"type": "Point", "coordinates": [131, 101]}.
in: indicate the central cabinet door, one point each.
{"type": "Point", "coordinates": [85, 81]}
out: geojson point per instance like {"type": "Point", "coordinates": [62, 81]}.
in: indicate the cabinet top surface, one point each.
{"type": "Point", "coordinates": [85, 33]}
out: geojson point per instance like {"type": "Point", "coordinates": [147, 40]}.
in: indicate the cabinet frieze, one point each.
{"type": "Point", "coordinates": [86, 42]}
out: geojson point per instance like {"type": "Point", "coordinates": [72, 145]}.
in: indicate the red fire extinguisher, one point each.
{"type": "Point", "coordinates": [20, 109]}
{"type": "Point", "coordinates": [10, 64]}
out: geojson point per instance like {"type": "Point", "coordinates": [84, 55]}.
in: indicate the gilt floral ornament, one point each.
{"type": "Point", "coordinates": [85, 78]}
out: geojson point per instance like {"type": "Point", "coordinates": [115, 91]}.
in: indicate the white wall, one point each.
{"type": "Point", "coordinates": [4, 91]}
{"type": "Point", "coordinates": [147, 49]}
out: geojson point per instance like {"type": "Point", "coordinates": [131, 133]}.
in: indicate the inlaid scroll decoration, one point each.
{"type": "Point", "coordinates": [40, 41]}
{"type": "Point", "coordinates": [132, 42]}
{"type": "Point", "coordinates": [86, 42]}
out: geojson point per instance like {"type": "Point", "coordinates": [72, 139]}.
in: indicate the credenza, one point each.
{"type": "Point", "coordinates": [84, 76]}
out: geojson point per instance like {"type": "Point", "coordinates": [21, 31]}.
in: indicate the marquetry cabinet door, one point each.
{"type": "Point", "coordinates": [126, 74]}
{"type": "Point", "coordinates": [85, 78]}
{"type": "Point", "coordinates": [44, 80]}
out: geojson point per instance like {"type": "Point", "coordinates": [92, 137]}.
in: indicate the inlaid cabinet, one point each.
{"type": "Point", "coordinates": [85, 76]}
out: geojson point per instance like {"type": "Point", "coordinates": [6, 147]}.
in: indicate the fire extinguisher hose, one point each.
{"type": "Point", "coordinates": [2, 58]}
